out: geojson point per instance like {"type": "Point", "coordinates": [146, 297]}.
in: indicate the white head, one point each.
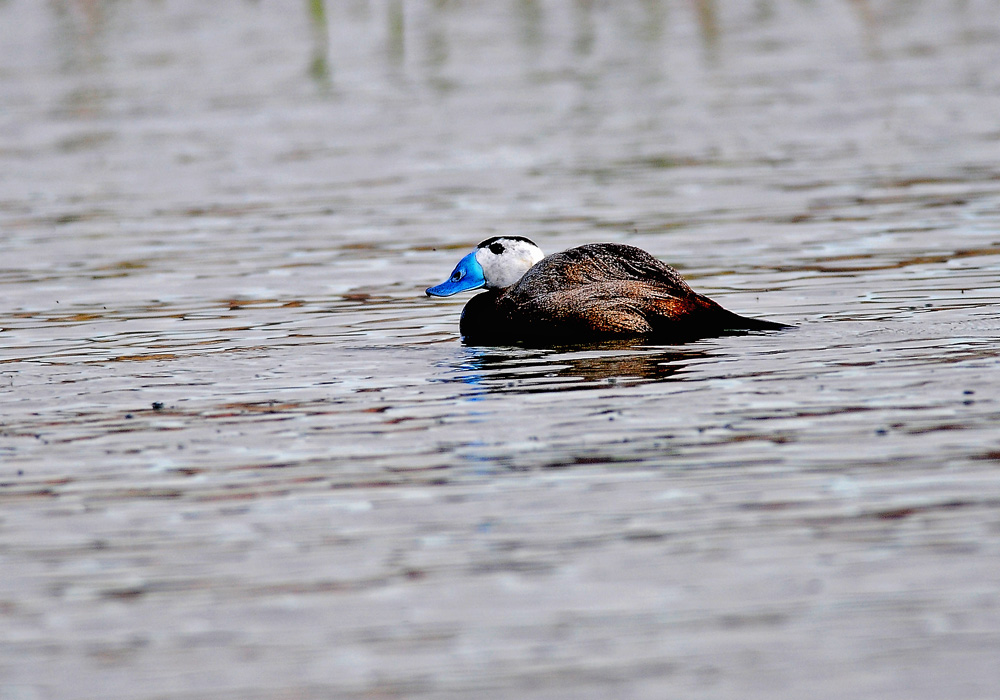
{"type": "Point", "coordinates": [505, 259]}
{"type": "Point", "coordinates": [496, 263]}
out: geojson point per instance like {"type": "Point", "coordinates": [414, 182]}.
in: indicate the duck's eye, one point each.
{"type": "Point", "coordinates": [457, 276]}
{"type": "Point", "coordinates": [496, 248]}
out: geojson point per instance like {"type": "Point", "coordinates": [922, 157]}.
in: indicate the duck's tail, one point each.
{"type": "Point", "coordinates": [728, 322]}
{"type": "Point", "coordinates": [734, 322]}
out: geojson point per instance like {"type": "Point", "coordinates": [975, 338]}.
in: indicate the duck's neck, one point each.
{"type": "Point", "coordinates": [481, 317]}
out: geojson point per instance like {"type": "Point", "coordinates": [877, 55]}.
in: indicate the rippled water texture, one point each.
{"type": "Point", "coordinates": [242, 455]}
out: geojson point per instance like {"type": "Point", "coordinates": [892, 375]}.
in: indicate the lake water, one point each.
{"type": "Point", "coordinates": [243, 456]}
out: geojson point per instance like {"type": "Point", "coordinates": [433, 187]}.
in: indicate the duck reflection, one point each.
{"type": "Point", "coordinates": [574, 367]}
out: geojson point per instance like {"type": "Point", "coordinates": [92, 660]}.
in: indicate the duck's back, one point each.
{"type": "Point", "coordinates": [599, 263]}
{"type": "Point", "coordinates": [593, 291]}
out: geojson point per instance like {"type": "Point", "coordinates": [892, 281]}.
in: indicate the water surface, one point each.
{"type": "Point", "coordinates": [242, 455]}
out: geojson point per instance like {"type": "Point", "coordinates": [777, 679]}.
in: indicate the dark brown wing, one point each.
{"type": "Point", "coordinates": [599, 263]}
{"type": "Point", "coordinates": [602, 288]}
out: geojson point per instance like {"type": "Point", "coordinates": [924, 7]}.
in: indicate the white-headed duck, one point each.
{"type": "Point", "coordinates": [589, 293]}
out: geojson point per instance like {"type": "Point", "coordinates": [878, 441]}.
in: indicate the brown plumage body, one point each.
{"type": "Point", "coordinates": [599, 291]}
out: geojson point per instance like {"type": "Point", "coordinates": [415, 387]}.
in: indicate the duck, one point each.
{"type": "Point", "coordinates": [594, 292]}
